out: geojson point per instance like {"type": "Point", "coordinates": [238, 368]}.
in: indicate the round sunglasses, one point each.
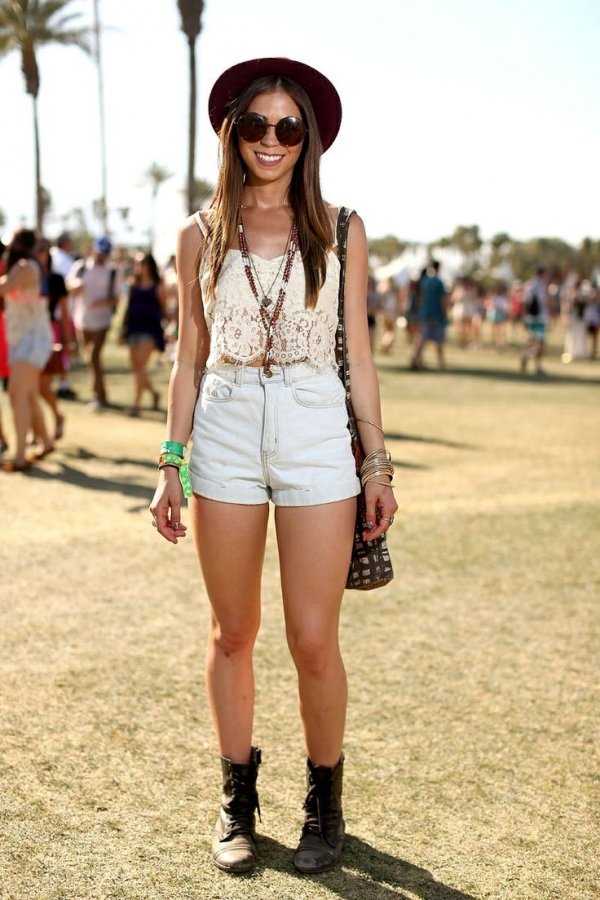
{"type": "Point", "coordinates": [289, 131]}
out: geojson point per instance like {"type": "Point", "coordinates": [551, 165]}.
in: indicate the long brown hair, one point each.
{"type": "Point", "coordinates": [315, 229]}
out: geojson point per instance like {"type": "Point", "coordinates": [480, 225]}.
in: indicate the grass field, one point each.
{"type": "Point", "coordinates": [472, 739]}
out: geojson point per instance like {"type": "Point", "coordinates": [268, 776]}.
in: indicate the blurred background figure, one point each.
{"type": "Point", "coordinates": [515, 309]}
{"type": "Point", "coordinates": [96, 286]}
{"type": "Point", "coordinates": [172, 307]}
{"type": "Point", "coordinates": [55, 291]}
{"type": "Point", "coordinates": [30, 341]}
{"type": "Point", "coordinates": [592, 320]}
{"type": "Point", "coordinates": [388, 314]}
{"type": "Point", "coordinates": [576, 336]}
{"type": "Point", "coordinates": [3, 354]}
{"type": "Point", "coordinates": [497, 314]}
{"type": "Point", "coordinates": [412, 307]}
{"type": "Point", "coordinates": [142, 326]}
{"type": "Point", "coordinates": [535, 307]}
{"type": "Point", "coordinates": [463, 302]}
{"type": "Point", "coordinates": [433, 316]}
{"type": "Point", "coordinates": [372, 309]}
{"type": "Point", "coordinates": [62, 262]}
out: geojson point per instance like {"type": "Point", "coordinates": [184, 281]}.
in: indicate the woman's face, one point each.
{"type": "Point", "coordinates": [267, 160]}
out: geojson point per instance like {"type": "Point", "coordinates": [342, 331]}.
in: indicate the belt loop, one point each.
{"type": "Point", "coordinates": [287, 375]}
{"type": "Point", "coordinates": [239, 375]}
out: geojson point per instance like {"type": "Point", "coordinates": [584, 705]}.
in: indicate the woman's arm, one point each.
{"type": "Point", "coordinates": [192, 352]}
{"type": "Point", "coordinates": [364, 385]}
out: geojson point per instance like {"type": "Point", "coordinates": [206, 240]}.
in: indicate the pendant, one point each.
{"type": "Point", "coordinates": [266, 301]}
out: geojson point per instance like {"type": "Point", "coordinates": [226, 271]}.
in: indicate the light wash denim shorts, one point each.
{"type": "Point", "coordinates": [283, 438]}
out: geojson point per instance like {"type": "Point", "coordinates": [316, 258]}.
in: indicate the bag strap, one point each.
{"type": "Point", "coordinates": [341, 350]}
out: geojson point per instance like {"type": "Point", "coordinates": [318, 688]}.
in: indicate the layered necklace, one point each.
{"type": "Point", "coordinates": [287, 261]}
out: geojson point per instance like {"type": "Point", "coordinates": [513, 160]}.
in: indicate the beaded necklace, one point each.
{"type": "Point", "coordinates": [269, 322]}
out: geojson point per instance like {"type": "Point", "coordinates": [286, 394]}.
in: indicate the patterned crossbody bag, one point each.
{"type": "Point", "coordinates": [370, 566]}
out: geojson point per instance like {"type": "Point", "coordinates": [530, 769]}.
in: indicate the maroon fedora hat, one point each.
{"type": "Point", "coordinates": [321, 92]}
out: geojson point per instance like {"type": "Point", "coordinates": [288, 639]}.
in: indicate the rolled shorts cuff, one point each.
{"type": "Point", "coordinates": [290, 497]}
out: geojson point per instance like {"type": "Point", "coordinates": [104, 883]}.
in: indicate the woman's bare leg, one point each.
{"type": "Point", "coordinates": [230, 542]}
{"type": "Point", "coordinates": [23, 392]}
{"type": "Point", "coordinates": [314, 551]}
{"type": "Point", "coordinates": [140, 354]}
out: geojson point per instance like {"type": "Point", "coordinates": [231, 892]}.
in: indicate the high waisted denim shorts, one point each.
{"type": "Point", "coordinates": [283, 438]}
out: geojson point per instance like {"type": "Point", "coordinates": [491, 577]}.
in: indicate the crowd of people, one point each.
{"type": "Point", "coordinates": [57, 307]}
{"type": "Point", "coordinates": [500, 314]}
{"type": "Point", "coordinates": [56, 310]}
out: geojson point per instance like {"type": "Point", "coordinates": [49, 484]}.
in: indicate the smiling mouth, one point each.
{"type": "Point", "coordinates": [269, 159]}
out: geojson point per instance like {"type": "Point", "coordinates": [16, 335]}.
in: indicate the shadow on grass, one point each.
{"type": "Point", "coordinates": [70, 475]}
{"type": "Point", "coordinates": [421, 439]}
{"type": "Point", "coordinates": [365, 874]}
{"type": "Point", "coordinates": [498, 375]}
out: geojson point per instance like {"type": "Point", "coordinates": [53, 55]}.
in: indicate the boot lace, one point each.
{"type": "Point", "coordinates": [240, 807]}
{"type": "Point", "coordinates": [320, 819]}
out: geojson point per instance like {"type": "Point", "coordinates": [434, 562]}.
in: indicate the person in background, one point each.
{"type": "Point", "coordinates": [388, 314]}
{"type": "Point", "coordinates": [96, 286]}
{"type": "Point", "coordinates": [413, 305]}
{"type": "Point", "coordinates": [4, 370]}
{"type": "Point", "coordinates": [62, 255]}
{"type": "Point", "coordinates": [373, 307]}
{"type": "Point", "coordinates": [30, 341]}
{"type": "Point", "coordinates": [256, 383]}
{"type": "Point", "coordinates": [535, 305]}
{"type": "Point", "coordinates": [142, 326]}
{"type": "Point", "coordinates": [172, 306]}
{"type": "Point", "coordinates": [55, 291]}
{"type": "Point", "coordinates": [497, 314]}
{"type": "Point", "coordinates": [592, 319]}
{"type": "Point", "coordinates": [433, 316]}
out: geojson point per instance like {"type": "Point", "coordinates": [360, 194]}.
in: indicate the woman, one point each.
{"type": "Point", "coordinates": [255, 381]}
{"type": "Point", "coordinates": [55, 291]}
{"type": "Point", "coordinates": [142, 326]}
{"type": "Point", "coordinates": [30, 342]}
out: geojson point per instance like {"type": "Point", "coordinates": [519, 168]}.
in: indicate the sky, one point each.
{"type": "Point", "coordinates": [455, 112]}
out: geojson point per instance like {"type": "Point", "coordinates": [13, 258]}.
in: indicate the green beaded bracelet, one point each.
{"type": "Point", "coordinates": [173, 447]}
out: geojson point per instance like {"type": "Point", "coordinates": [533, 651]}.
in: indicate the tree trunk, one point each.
{"type": "Point", "coordinates": [103, 198]}
{"type": "Point", "coordinates": [39, 197]}
{"type": "Point", "coordinates": [192, 131]}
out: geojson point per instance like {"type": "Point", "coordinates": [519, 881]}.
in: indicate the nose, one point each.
{"type": "Point", "coordinates": [270, 138]}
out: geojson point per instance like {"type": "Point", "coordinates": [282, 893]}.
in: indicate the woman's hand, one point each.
{"type": "Point", "coordinates": [381, 508]}
{"type": "Point", "coordinates": [166, 506]}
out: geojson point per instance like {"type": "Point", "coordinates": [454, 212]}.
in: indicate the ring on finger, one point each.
{"type": "Point", "coordinates": [389, 519]}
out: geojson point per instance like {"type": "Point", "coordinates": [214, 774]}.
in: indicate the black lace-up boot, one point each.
{"type": "Point", "coordinates": [233, 848]}
{"type": "Point", "coordinates": [320, 846]}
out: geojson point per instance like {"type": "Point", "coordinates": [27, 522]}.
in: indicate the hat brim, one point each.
{"type": "Point", "coordinates": [322, 94]}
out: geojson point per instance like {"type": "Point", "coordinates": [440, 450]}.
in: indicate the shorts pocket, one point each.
{"type": "Point", "coordinates": [215, 389]}
{"type": "Point", "coordinates": [320, 392]}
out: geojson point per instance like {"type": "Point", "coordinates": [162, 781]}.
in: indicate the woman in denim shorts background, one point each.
{"type": "Point", "coordinates": [255, 385]}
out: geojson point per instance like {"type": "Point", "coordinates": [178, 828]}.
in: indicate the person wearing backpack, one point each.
{"type": "Point", "coordinates": [96, 286]}
{"type": "Point", "coordinates": [536, 320]}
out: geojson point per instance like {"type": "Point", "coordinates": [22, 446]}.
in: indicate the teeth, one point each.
{"type": "Point", "coordinates": [266, 157]}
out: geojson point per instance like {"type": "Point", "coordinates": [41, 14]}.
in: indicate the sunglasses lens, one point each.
{"type": "Point", "coordinates": [252, 127]}
{"type": "Point", "coordinates": [290, 131]}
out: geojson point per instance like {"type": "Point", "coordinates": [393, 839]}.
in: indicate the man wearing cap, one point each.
{"type": "Point", "coordinates": [96, 286]}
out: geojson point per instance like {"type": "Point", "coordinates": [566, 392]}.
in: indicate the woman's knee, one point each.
{"type": "Point", "coordinates": [313, 652]}
{"type": "Point", "coordinates": [233, 640]}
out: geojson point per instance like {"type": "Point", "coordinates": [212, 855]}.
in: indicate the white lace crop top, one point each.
{"type": "Point", "coordinates": [237, 334]}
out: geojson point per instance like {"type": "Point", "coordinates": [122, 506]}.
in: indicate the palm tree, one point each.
{"type": "Point", "coordinates": [191, 13]}
{"type": "Point", "coordinates": [26, 25]}
{"type": "Point", "coordinates": [155, 175]}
